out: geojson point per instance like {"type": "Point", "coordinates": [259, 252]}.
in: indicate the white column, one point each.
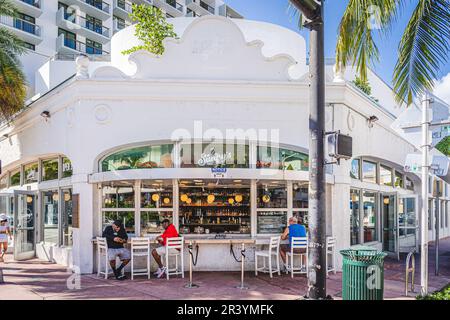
{"type": "Point", "coordinates": [253, 195]}
{"type": "Point", "coordinates": [175, 203]}
{"type": "Point", "coordinates": [82, 249]}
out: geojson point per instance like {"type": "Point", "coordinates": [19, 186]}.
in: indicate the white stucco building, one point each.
{"type": "Point", "coordinates": [139, 139]}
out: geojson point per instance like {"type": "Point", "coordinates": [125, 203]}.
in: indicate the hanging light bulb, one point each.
{"type": "Point", "coordinates": [210, 198]}
{"type": "Point", "coordinates": [184, 197]}
{"type": "Point", "coordinates": [238, 198]}
{"type": "Point", "coordinates": [29, 199]}
{"type": "Point", "coordinates": [55, 197]}
{"type": "Point", "coordinates": [230, 200]}
{"type": "Point", "coordinates": [386, 200]}
{"type": "Point", "coordinates": [266, 198]}
{"type": "Point", "coordinates": [166, 200]}
{"type": "Point", "coordinates": [67, 197]}
{"type": "Point", "coordinates": [155, 197]}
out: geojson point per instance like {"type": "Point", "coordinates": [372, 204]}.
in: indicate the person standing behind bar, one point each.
{"type": "Point", "coordinates": [169, 232]}
{"type": "Point", "coordinates": [116, 237]}
{"type": "Point", "coordinates": [295, 229]}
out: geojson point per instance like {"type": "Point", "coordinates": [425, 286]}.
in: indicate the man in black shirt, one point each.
{"type": "Point", "coordinates": [116, 236]}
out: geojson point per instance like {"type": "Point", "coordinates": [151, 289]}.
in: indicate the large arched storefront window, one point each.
{"type": "Point", "coordinates": [146, 157]}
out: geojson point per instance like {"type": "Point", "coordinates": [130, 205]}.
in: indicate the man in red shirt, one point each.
{"type": "Point", "coordinates": [169, 232]}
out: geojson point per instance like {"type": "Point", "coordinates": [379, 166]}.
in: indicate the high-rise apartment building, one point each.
{"type": "Point", "coordinates": [62, 29]}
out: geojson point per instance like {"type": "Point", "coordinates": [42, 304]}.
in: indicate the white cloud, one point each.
{"type": "Point", "coordinates": [442, 89]}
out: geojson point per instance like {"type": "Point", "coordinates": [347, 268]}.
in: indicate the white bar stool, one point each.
{"type": "Point", "coordinates": [175, 248]}
{"type": "Point", "coordinates": [331, 255]}
{"type": "Point", "coordinates": [140, 247]}
{"type": "Point", "coordinates": [274, 250]}
{"type": "Point", "coordinates": [297, 243]}
{"type": "Point", "coordinates": [102, 256]}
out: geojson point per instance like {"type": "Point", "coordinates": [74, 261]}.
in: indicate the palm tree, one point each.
{"type": "Point", "coordinates": [12, 79]}
{"type": "Point", "coordinates": [423, 48]}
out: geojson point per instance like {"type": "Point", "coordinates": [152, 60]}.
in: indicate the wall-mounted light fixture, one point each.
{"type": "Point", "coordinates": [45, 114]}
{"type": "Point", "coordinates": [371, 120]}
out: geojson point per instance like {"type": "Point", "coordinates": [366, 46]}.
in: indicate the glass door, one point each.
{"type": "Point", "coordinates": [390, 224]}
{"type": "Point", "coordinates": [25, 204]}
{"type": "Point", "coordinates": [407, 223]}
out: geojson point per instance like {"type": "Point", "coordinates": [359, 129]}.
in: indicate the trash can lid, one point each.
{"type": "Point", "coordinates": [362, 253]}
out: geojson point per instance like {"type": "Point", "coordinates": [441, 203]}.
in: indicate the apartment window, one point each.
{"type": "Point", "coordinates": [120, 23]}
{"type": "Point", "coordinates": [93, 47]}
{"type": "Point", "coordinates": [69, 13]}
{"type": "Point", "coordinates": [66, 167]}
{"type": "Point", "coordinates": [25, 23]}
{"type": "Point", "coordinates": [94, 24]}
{"type": "Point", "coordinates": [70, 38]}
{"type": "Point", "coordinates": [355, 169]}
{"type": "Point", "coordinates": [96, 3]}
{"type": "Point", "coordinates": [385, 175]}
{"type": "Point", "coordinates": [369, 171]}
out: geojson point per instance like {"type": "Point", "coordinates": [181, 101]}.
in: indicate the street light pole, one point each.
{"type": "Point", "coordinates": [424, 213]}
{"type": "Point", "coordinates": [317, 271]}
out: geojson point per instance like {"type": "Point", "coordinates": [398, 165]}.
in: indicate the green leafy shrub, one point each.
{"type": "Point", "coordinates": [438, 295]}
{"type": "Point", "coordinates": [151, 28]}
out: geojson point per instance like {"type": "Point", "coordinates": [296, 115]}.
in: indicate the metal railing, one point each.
{"type": "Point", "coordinates": [83, 47]}
{"type": "Point", "coordinates": [34, 3]}
{"type": "Point", "coordinates": [119, 25]}
{"type": "Point", "coordinates": [175, 4]}
{"type": "Point", "coordinates": [21, 24]}
{"type": "Point", "coordinates": [73, 56]}
{"type": "Point", "coordinates": [87, 24]}
{"type": "Point", "coordinates": [98, 4]}
{"type": "Point", "coordinates": [206, 6]}
{"type": "Point", "coordinates": [124, 5]}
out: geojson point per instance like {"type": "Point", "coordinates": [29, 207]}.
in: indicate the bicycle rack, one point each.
{"type": "Point", "coordinates": [410, 268]}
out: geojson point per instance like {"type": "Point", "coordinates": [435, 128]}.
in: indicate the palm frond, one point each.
{"type": "Point", "coordinates": [7, 8]}
{"type": "Point", "coordinates": [361, 19]}
{"type": "Point", "coordinates": [424, 47]}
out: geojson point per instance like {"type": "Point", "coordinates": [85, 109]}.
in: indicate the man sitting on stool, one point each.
{"type": "Point", "coordinates": [169, 232]}
{"type": "Point", "coordinates": [116, 237]}
{"type": "Point", "coordinates": [295, 229]}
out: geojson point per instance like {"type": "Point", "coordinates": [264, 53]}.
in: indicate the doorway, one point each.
{"type": "Point", "coordinates": [390, 224]}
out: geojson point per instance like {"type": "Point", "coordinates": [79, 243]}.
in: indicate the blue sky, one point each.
{"type": "Point", "coordinates": [276, 11]}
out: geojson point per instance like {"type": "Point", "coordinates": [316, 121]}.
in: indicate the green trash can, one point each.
{"type": "Point", "coordinates": [362, 274]}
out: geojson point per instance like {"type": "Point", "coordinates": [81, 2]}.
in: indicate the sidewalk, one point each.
{"type": "Point", "coordinates": [36, 279]}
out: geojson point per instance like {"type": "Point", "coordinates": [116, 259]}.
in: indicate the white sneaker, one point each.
{"type": "Point", "coordinates": [157, 273]}
{"type": "Point", "coordinates": [163, 272]}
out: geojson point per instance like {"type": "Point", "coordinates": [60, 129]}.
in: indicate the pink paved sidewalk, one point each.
{"type": "Point", "coordinates": [36, 279]}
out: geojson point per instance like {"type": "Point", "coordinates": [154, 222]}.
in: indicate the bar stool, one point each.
{"type": "Point", "coordinates": [274, 250]}
{"type": "Point", "coordinates": [102, 254]}
{"type": "Point", "coordinates": [331, 255]}
{"type": "Point", "coordinates": [297, 243]}
{"type": "Point", "coordinates": [140, 247]}
{"type": "Point", "coordinates": [175, 248]}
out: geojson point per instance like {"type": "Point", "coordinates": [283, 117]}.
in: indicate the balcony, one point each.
{"type": "Point", "coordinates": [172, 7]}
{"type": "Point", "coordinates": [82, 27]}
{"type": "Point", "coordinates": [29, 7]}
{"type": "Point", "coordinates": [96, 9]}
{"type": "Point", "coordinates": [119, 25]}
{"type": "Point", "coordinates": [200, 7]}
{"type": "Point", "coordinates": [122, 9]}
{"type": "Point", "coordinates": [25, 30]}
{"type": "Point", "coordinates": [229, 12]}
{"type": "Point", "coordinates": [70, 47]}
